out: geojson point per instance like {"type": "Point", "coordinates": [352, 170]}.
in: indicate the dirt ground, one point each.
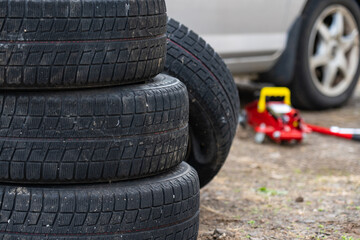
{"type": "Point", "coordinates": [307, 191]}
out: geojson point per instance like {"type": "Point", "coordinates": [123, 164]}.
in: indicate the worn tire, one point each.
{"type": "Point", "coordinates": [93, 135]}
{"type": "Point", "coordinates": [77, 44]}
{"type": "Point", "coordinates": [214, 100]}
{"type": "Point", "coordinates": [165, 206]}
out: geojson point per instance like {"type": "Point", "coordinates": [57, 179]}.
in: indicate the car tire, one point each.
{"type": "Point", "coordinates": [76, 44]}
{"type": "Point", "coordinates": [94, 135]}
{"type": "Point", "coordinates": [164, 206]}
{"type": "Point", "coordinates": [213, 98]}
{"type": "Point", "coordinates": [328, 67]}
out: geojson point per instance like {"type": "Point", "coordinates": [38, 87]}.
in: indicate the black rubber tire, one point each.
{"type": "Point", "coordinates": [161, 207]}
{"type": "Point", "coordinates": [77, 44]}
{"type": "Point", "coordinates": [96, 135]}
{"type": "Point", "coordinates": [66, 20]}
{"type": "Point", "coordinates": [305, 94]}
{"type": "Point", "coordinates": [214, 100]}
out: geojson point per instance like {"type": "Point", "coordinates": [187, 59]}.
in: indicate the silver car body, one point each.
{"type": "Point", "coordinates": [249, 34]}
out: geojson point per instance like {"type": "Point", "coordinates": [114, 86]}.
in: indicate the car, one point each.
{"type": "Point", "coordinates": [311, 46]}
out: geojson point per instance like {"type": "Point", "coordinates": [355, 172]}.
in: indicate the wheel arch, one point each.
{"type": "Point", "coordinates": [282, 72]}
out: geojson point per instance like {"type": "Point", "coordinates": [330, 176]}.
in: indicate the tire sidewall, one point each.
{"type": "Point", "coordinates": [303, 78]}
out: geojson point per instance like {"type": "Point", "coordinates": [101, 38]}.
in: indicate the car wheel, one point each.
{"type": "Point", "coordinates": [327, 69]}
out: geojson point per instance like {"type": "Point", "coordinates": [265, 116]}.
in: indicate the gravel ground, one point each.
{"type": "Point", "coordinates": [306, 191]}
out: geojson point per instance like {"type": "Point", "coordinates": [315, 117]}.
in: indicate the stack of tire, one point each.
{"type": "Point", "coordinates": [92, 135]}
{"type": "Point", "coordinates": [70, 125]}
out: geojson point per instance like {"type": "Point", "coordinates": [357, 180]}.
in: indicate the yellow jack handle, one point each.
{"type": "Point", "coordinates": [273, 92]}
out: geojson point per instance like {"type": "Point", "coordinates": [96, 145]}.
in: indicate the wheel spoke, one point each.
{"type": "Point", "coordinates": [347, 42]}
{"type": "Point", "coordinates": [342, 64]}
{"type": "Point", "coordinates": [330, 73]}
{"type": "Point", "coordinates": [319, 60]}
{"type": "Point", "coordinates": [324, 32]}
{"type": "Point", "coordinates": [321, 57]}
{"type": "Point", "coordinates": [337, 26]}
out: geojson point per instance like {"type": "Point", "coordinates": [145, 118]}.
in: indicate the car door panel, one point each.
{"type": "Point", "coordinates": [242, 31]}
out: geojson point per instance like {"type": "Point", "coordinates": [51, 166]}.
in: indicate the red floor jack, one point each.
{"type": "Point", "coordinates": [282, 123]}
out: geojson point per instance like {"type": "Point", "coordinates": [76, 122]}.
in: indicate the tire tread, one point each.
{"type": "Point", "coordinates": [46, 20]}
{"type": "Point", "coordinates": [214, 100]}
{"type": "Point", "coordinates": [93, 135]}
{"type": "Point", "coordinates": [165, 205]}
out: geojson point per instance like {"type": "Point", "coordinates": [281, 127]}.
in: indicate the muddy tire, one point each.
{"type": "Point", "coordinates": [165, 206]}
{"type": "Point", "coordinates": [77, 44]}
{"type": "Point", "coordinates": [95, 135]}
{"type": "Point", "coordinates": [214, 100]}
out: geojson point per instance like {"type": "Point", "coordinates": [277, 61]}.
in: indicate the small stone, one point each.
{"type": "Point", "coordinates": [299, 200]}
{"type": "Point", "coordinates": [221, 234]}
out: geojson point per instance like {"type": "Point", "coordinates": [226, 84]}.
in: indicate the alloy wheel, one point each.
{"type": "Point", "coordinates": [334, 50]}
